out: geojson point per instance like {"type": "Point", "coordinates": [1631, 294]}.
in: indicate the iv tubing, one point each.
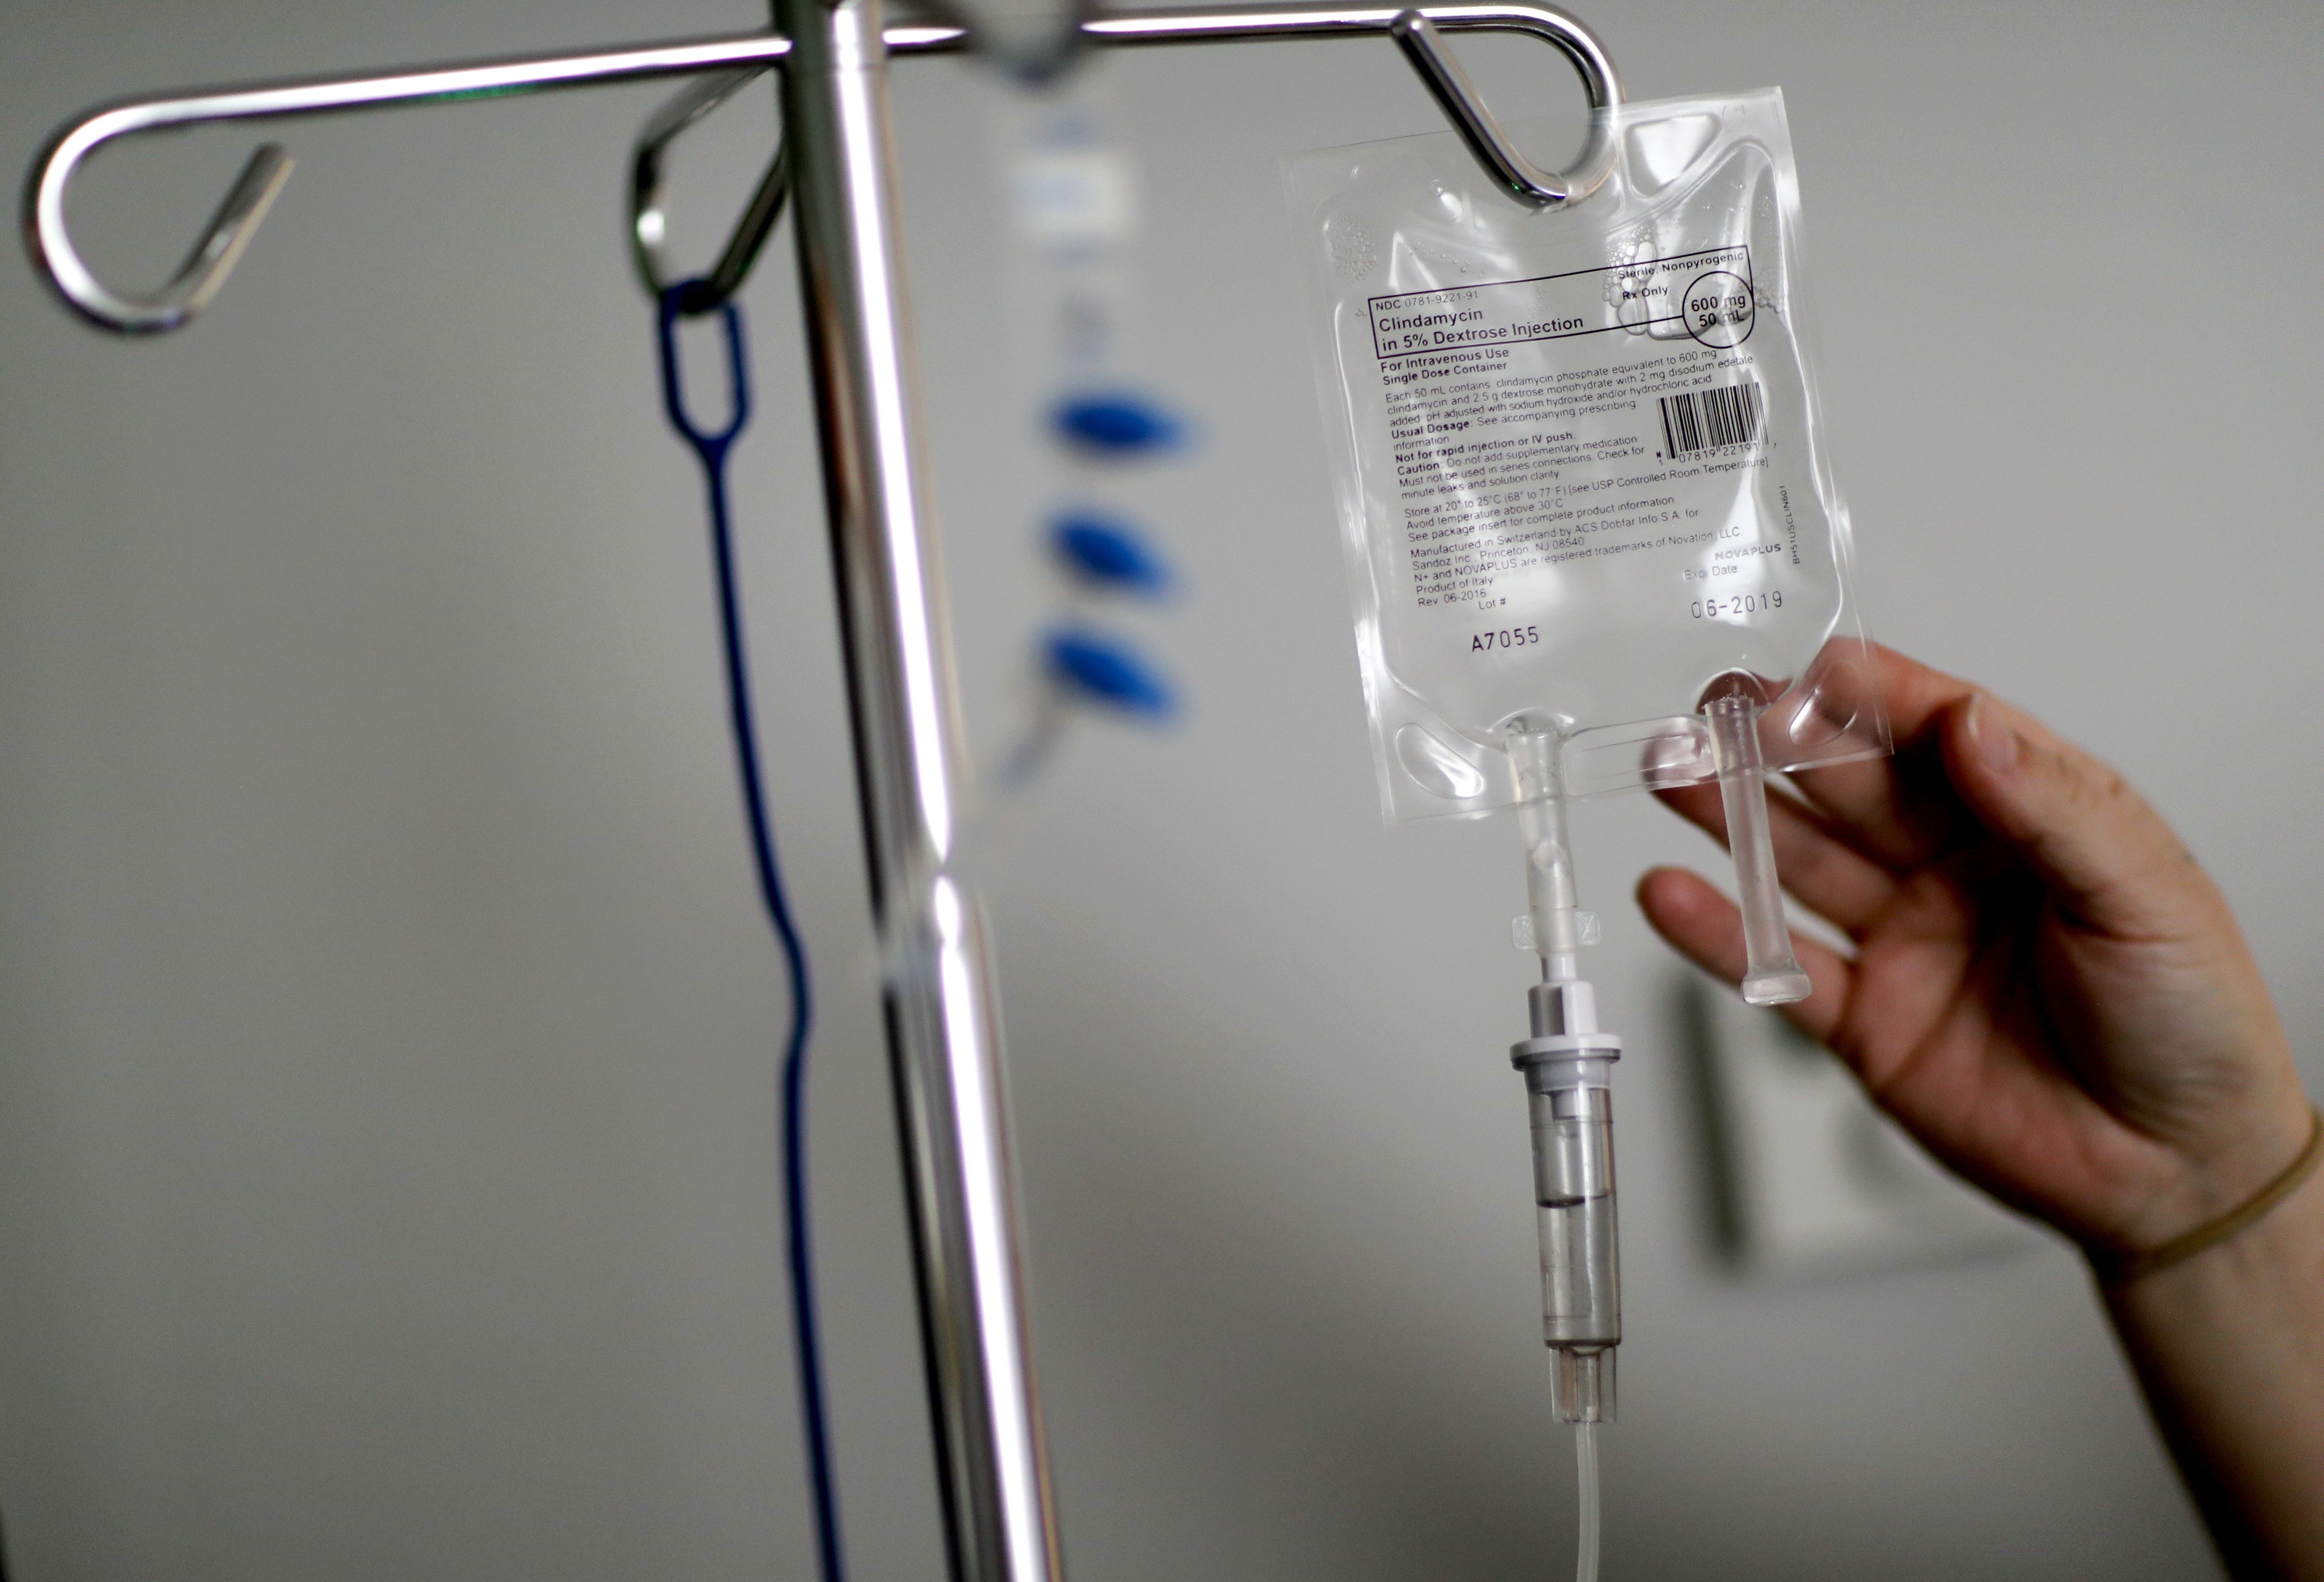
{"type": "Point", "coordinates": [1585, 1465]}
{"type": "Point", "coordinates": [798, 1225]}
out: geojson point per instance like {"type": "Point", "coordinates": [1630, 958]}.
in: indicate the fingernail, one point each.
{"type": "Point", "coordinates": [1996, 743]}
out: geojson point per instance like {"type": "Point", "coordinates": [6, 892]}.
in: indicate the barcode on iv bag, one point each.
{"type": "Point", "coordinates": [1705, 419]}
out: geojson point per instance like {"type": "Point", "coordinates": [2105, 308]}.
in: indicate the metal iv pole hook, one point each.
{"type": "Point", "coordinates": [650, 226]}
{"type": "Point", "coordinates": [1459, 99]}
{"type": "Point", "coordinates": [59, 263]}
{"type": "Point", "coordinates": [198, 279]}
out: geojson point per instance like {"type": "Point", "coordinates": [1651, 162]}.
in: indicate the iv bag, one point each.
{"type": "Point", "coordinates": [1579, 460]}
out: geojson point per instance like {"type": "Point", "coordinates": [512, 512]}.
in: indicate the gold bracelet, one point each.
{"type": "Point", "coordinates": [2115, 1269]}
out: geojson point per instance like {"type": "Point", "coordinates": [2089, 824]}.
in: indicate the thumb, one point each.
{"type": "Point", "coordinates": [2107, 857]}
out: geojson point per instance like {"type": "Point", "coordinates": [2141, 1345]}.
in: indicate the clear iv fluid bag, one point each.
{"type": "Point", "coordinates": [1580, 469]}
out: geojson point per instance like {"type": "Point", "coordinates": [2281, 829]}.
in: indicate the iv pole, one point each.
{"type": "Point", "coordinates": [993, 1472]}
{"type": "Point", "coordinates": [911, 761]}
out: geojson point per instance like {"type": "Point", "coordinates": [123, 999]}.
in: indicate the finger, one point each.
{"type": "Point", "coordinates": [1900, 809]}
{"type": "Point", "coordinates": [1700, 805]}
{"type": "Point", "coordinates": [1913, 696]}
{"type": "Point", "coordinates": [1704, 926]}
{"type": "Point", "coordinates": [1817, 867]}
{"type": "Point", "coordinates": [2109, 858]}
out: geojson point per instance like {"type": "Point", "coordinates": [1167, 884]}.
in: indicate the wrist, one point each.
{"type": "Point", "coordinates": [2220, 1195]}
{"type": "Point", "coordinates": [2229, 1346]}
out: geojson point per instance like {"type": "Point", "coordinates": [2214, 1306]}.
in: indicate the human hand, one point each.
{"type": "Point", "coordinates": [2047, 990]}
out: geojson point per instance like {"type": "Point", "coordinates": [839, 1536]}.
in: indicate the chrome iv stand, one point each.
{"type": "Point", "coordinates": [837, 164]}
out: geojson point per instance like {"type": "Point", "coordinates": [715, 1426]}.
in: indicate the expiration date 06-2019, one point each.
{"type": "Point", "coordinates": [1714, 609]}
{"type": "Point", "coordinates": [1741, 603]}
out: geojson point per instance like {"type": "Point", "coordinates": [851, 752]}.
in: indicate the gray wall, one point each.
{"type": "Point", "coordinates": [386, 1180]}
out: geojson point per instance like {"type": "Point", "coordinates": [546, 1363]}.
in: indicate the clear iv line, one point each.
{"type": "Point", "coordinates": [1585, 1466]}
